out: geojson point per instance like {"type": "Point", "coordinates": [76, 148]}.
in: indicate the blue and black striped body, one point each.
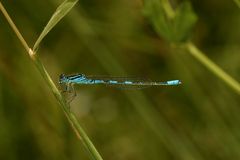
{"type": "Point", "coordinates": [90, 80]}
{"type": "Point", "coordinates": [67, 82]}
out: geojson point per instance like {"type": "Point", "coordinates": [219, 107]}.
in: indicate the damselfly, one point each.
{"type": "Point", "coordinates": [121, 82]}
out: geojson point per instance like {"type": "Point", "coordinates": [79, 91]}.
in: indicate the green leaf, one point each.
{"type": "Point", "coordinates": [60, 12]}
{"type": "Point", "coordinates": [173, 29]}
{"type": "Point", "coordinates": [184, 20]}
{"type": "Point", "coordinates": [154, 11]}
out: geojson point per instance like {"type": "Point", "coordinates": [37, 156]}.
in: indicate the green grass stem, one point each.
{"type": "Point", "coordinates": [214, 68]}
{"type": "Point", "coordinates": [14, 28]}
{"type": "Point", "coordinates": [202, 58]}
{"type": "Point", "coordinates": [64, 105]}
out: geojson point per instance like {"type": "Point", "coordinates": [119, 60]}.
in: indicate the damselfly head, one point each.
{"type": "Point", "coordinates": [62, 78]}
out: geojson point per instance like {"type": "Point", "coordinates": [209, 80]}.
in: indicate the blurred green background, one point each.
{"type": "Point", "coordinates": [197, 120]}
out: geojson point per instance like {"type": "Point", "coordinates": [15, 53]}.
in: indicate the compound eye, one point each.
{"type": "Point", "coordinates": [62, 76]}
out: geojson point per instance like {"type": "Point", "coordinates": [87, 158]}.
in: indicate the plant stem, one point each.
{"type": "Point", "coordinates": [64, 105]}
{"type": "Point", "coordinates": [15, 29]}
{"type": "Point", "coordinates": [200, 56]}
{"type": "Point", "coordinates": [168, 9]}
{"type": "Point", "coordinates": [220, 73]}
{"type": "Point", "coordinates": [237, 2]}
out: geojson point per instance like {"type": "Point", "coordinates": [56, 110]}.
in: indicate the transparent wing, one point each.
{"type": "Point", "coordinates": [123, 82]}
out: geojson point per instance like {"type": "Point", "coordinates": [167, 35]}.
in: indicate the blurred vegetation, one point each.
{"type": "Point", "coordinates": [198, 120]}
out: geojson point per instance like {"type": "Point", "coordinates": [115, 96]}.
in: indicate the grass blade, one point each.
{"type": "Point", "coordinates": [65, 106]}
{"type": "Point", "coordinates": [60, 12]}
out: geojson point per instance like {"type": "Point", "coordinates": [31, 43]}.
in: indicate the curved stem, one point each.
{"type": "Point", "coordinates": [64, 105]}
{"type": "Point", "coordinates": [220, 73]}
{"type": "Point", "coordinates": [15, 29]}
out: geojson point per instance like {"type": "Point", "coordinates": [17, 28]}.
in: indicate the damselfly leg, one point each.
{"type": "Point", "coordinates": [69, 91]}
